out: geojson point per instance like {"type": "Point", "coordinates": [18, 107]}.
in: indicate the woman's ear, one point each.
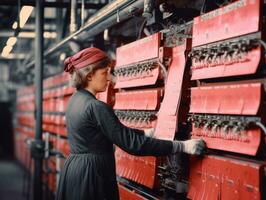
{"type": "Point", "coordinates": [89, 77]}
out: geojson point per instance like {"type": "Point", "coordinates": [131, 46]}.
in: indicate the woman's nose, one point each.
{"type": "Point", "coordinates": [109, 77]}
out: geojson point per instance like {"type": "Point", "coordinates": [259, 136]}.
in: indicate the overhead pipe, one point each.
{"type": "Point", "coordinates": [103, 19]}
{"type": "Point", "coordinates": [73, 17]}
{"type": "Point", "coordinates": [57, 4]}
{"type": "Point", "coordinates": [148, 8]}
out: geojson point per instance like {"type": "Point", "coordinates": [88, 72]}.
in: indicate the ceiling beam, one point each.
{"type": "Point", "coordinates": [51, 4]}
{"type": "Point", "coordinates": [14, 56]}
{"type": "Point", "coordinates": [27, 34]}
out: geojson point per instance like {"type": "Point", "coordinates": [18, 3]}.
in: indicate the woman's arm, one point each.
{"type": "Point", "coordinates": [130, 140]}
{"type": "Point", "coordinates": [134, 141]}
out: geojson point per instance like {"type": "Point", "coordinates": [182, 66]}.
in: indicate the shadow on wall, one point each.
{"type": "Point", "coordinates": [6, 132]}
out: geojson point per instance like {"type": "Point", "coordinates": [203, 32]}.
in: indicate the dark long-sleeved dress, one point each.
{"type": "Point", "coordinates": [93, 128]}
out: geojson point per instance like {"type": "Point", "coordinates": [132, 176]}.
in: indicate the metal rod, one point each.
{"type": "Point", "coordinates": [18, 21]}
{"type": "Point", "coordinates": [103, 19]}
{"type": "Point", "coordinates": [73, 16]}
{"type": "Point", "coordinates": [59, 23]}
{"type": "Point", "coordinates": [39, 15]}
{"type": "Point", "coordinates": [92, 6]}
{"type": "Point", "coordinates": [82, 12]}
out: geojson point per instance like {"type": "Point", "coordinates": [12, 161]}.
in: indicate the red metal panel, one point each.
{"type": "Point", "coordinates": [26, 103]}
{"type": "Point", "coordinates": [26, 119]}
{"type": "Point", "coordinates": [142, 170]}
{"type": "Point", "coordinates": [66, 91]}
{"type": "Point", "coordinates": [54, 119]}
{"type": "Point", "coordinates": [59, 119]}
{"type": "Point", "coordinates": [238, 18]}
{"type": "Point", "coordinates": [25, 91]}
{"type": "Point", "coordinates": [143, 79]}
{"type": "Point", "coordinates": [62, 103]}
{"type": "Point", "coordinates": [60, 130]}
{"type": "Point", "coordinates": [144, 49]}
{"type": "Point", "coordinates": [167, 118]}
{"type": "Point", "coordinates": [56, 80]}
{"type": "Point", "coordinates": [27, 131]}
{"type": "Point", "coordinates": [126, 194]}
{"type": "Point", "coordinates": [63, 146]}
{"type": "Point", "coordinates": [138, 100]}
{"type": "Point", "coordinates": [52, 176]}
{"type": "Point", "coordinates": [247, 65]}
{"type": "Point", "coordinates": [216, 177]}
{"type": "Point", "coordinates": [166, 126]}
{"type": "Point", "coordinates": [245, 142]}
{"type": "Point", "coordinates": [174, 81]}
{"type": "Point", "coordinates": [236, 99]}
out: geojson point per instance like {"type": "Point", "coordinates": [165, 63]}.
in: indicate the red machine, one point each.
{"type": "Point", "coordinates": [127, 194]}
{"type": "Point", "coordinates": [202, 79]}
{"type": "Point", "coordinates": [228, 132]}
{"type": "Point", "coordinates": [239, 55]}
{"type": "Point", "coordinates": [228, 113]}
{"type": "Point", "coordinates": [137, 108]}
{"type": "Point", "coordinates": [150, 86]}
{"type": "Point", "coordinates": [218, 177]}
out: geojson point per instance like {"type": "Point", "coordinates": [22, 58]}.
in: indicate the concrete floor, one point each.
{"type": "Point", "coordinates": [12, 179]}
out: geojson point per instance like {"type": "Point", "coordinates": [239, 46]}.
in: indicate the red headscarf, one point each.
{"type": "Point", "coordinates": [84, 58]}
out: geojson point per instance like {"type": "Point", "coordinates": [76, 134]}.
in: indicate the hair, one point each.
{"type": "Point", "coordinates": [79, 76]}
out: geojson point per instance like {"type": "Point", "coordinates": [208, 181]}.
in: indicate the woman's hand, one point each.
{"type": "Point", "coordinates": [193, 146]}
{"type": "Point", "coordinates": [149, 132]}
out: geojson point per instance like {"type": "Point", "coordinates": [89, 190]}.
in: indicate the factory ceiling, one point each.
{"type": "Point", "coordinates": [60, 22]}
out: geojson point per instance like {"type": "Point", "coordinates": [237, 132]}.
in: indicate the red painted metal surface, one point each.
{"type": "Point", "coordinates": [59, 120]}
{"type": "Point", "coordinates": [244, 142]}
{"type": "Point", "coordinates": [236, 99]}
{"type": "Point", "coordinates": [21, 149]}
{"type": "Point", "coordinates": [61, 104]}
{"type": "Point", "coordinates": [57, 80]}
{"type": "Point", "coordinates": [25, 91]}
{"type": "Point", "coordinates": [56, 119]}
{"type": "Point", "coordinates": [25, 103]}
{"type": "Point", "coordinates": [166, 126]}
{"type": "Point", "coordinates": [142, 170]}
{"type": "Point", "coordinates": [26, 119]}
{"type": "Point", "coordinates": [137, 62]}
{"type": "Point", "coordinates": [144, 49]}
{"type": "Point", "coordinates": [167, 117]}
{"type": "Point", "coordinates": [238, 18]}
{"type": "Point", "coordinates": [248, 64]}
{"type": "Point", "coordinates": [28, 131]}
{"type": "Point", "coordinates": [65, 91]}
{"type": "Point", "coordinates": [216, 177]}
{"type": "Point", "coordinates": [143, 79]}
{"type": "Point", "coordinates": [51, 177]}
{"type": "Point", "coordinates": [126, 194]}
{"type": "Point", "coordinates": [56, 129]}
{"type": "Point", "coordinates": [26, 98]}
{"type": "Point", "coordinates": [63, 146]}
{"type": "Point", "coordinates": [138, 99]}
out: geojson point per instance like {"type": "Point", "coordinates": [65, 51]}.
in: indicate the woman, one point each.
{"type": "Point", "coordinates": [93, 128]}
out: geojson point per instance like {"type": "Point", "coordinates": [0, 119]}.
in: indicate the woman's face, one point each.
{"type": "Point", "coordinates": [98, 81]}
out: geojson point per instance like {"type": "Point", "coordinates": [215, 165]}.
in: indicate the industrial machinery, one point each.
{"type": "Point", "coordinates": [199, 77]}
